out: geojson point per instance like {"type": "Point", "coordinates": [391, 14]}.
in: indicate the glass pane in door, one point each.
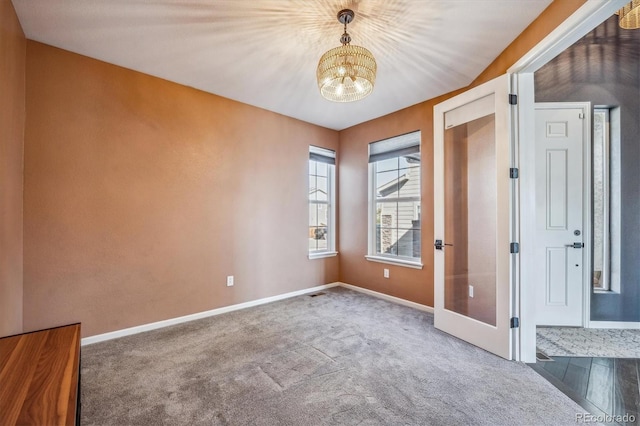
{"type": "Point", "coordinates": [470, 213]}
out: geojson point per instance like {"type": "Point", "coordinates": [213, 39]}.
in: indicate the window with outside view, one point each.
{"type": "Point", "coordinates": [395, 202]}
{"type": "Point", "coordinates": [321, 201]}
{"type": "Point", "coordinates": [606, 200]}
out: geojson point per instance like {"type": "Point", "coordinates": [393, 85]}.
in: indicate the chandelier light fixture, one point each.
{"type": "Point", "coordinates": [630, 16]}
{"type": "Point", "coordinates": [346, 73]}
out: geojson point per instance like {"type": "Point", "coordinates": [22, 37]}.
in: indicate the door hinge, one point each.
{"type": "Point", "coordinates": [581, 116]}
{"type": "Point", "coordinates": [515, 322]}
{"type": "Point", "coordinates": [513, 99]}
{"type": "Point", "coordinates": [514, 248]}
{"type": "Point", "coordinates": [514, 173]}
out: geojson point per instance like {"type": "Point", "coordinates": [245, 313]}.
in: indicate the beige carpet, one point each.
{"type": "Point", "coordinates": [342, 358]}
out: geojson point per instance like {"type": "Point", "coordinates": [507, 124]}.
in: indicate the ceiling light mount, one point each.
{"type": "Point", "coordinates": [346, 73]}
{"type": "Point", "coordinates": [345, 16]}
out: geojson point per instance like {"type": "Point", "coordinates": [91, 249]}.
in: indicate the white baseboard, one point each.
{"type": "Point", "coordinates": [615, 324]}
{"type": "Point", "coordinates": [393, 299]}
{"type": "Point", "coordinates": [173, 321]}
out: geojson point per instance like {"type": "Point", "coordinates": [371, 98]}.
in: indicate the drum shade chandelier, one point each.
{"type": "Point", "coordinates": [630, 16]}
{"type": "Point", "coordinates": [346, 73]}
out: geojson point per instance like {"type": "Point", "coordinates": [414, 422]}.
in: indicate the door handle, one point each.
{"type": "Point", "coordinates": [438, 245]}
{"type": "Point", "coordinates": [575, 245]}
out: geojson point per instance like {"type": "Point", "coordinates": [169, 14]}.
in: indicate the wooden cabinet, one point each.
{"type": "Point", "coordinates": [40, 377]}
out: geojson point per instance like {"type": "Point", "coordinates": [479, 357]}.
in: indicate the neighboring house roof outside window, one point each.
{"type": "Point", "coordinates": [316, 190]}
{"type": "Point", "coordinates": [412, 158]}
{"type": "Point", "coordinates": [393, 186]}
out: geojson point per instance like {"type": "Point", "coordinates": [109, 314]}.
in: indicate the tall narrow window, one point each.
{"type": "Point", "coordinates": [607, 200]}
{"type": "Point", "coordinates": [601, 279]}
{"type": "Point", "coordinates": [394, 217]}
{"type": "Point", "coordinates": [321, 202]}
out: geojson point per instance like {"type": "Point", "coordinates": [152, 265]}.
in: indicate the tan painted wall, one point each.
{"type": "Point", "coordinates": [142, 195]}
{"type": "Point", "coordinates": [12, 117]}
{"type": "Point", "coordinates": [456, 225]}
{"type": "Point", "coordinates": [406, 283]}
{"type": "Point", "coordinates": [411, 284]}
{"type": "Point", "coordinates": [548, 20]}
{"type": "Point", "coordinates": [481, 218]}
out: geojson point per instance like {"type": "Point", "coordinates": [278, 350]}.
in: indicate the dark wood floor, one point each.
{"type": "Point", "coordinates": [603, 386]}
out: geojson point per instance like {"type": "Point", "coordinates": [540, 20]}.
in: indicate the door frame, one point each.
{"type": "Point", "coordinates": [586, 18]}
{"type": "Point", "coordinates": [587, 215]}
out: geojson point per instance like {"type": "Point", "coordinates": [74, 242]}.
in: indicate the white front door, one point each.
{"type": "Point", "coordinates": [472, 216]}
{"type": "Point", "coordinates": [560, 132]}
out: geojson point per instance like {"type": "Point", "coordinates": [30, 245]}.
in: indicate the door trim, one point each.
{"type": "Point", "coordinates": [585, 19]}
{"type": "Point", "coordinates": [586, 197]}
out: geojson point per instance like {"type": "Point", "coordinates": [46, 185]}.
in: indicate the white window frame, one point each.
{"type": "Point", "coordinates": [372, 254]}
{"type": "Point", "coordinates": [612, 202]}
{"type": "Point", "coordinates": [330, 251]}
{"type": "Point", "coordinates": [605, 279]}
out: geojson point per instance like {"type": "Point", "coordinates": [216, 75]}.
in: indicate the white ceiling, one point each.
{"type": "Point", "coordinates": [265, 52]}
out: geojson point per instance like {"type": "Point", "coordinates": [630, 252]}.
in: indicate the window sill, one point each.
{"type": "Point", "coordinates": [400, 262]}
{"type": "Point", "coordinates": [602, 291]}
{"type": "Point", "coordinates": [322, 254]}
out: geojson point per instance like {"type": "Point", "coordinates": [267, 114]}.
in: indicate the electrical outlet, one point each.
{"type": "Point", "coordinates": [385, 272]}
{"type": "Point", "coordinates": [470, 291]}
{"type": "Point", "coordinates": [229, 280]}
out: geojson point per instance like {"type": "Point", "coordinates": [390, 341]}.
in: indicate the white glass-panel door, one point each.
{"type": "Point", "coordinates": [472, 216]}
